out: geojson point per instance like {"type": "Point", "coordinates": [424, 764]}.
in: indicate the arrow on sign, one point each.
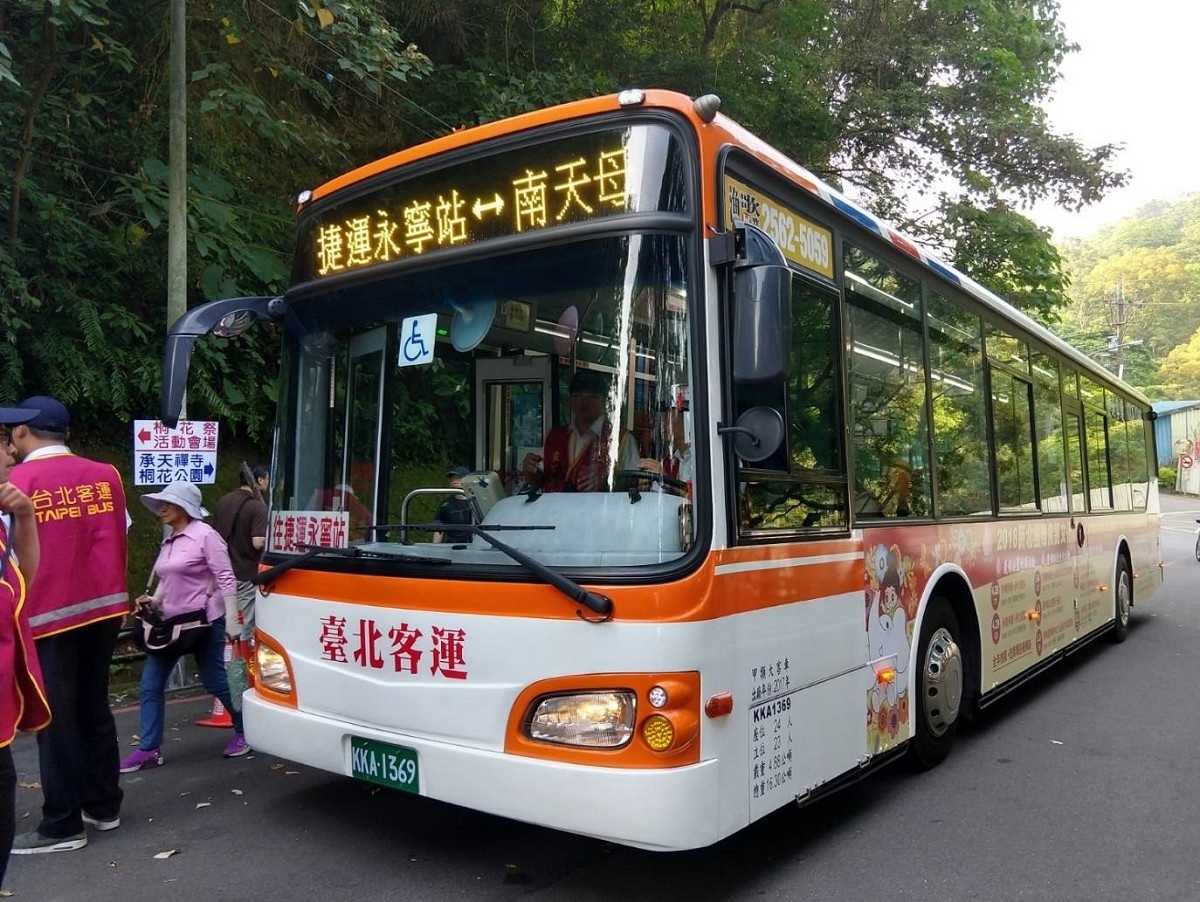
{"type": "Point", "coordinates": [144, 435]}
{"type": "Point", "coordinates": [208, 469]}
{"type": "Point", "coordinates": [494, 206]}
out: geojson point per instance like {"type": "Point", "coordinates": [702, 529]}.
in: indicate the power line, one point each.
{"type": "Point", "coordinates": [384, 85]}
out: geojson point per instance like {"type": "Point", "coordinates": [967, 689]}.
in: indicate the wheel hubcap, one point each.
{"type": "Point", "coordinates": [942, 682]}
{"type": "Point", "coordinates": [1123, 598]}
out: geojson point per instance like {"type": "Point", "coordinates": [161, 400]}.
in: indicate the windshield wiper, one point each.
{"type": "Point", "coordinates": [593, 601]}
{"type": "Point", "coordinates": [352, 551]}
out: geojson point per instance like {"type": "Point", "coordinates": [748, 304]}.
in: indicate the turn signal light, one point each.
{"type": "Point", "coordinates": [719, 705]}
{"type": "Point", "coordinates": [658, 732]}
{"type": "Point", "coordinates": [885, 675]}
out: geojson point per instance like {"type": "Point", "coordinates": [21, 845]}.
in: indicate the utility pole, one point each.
{"type": "Point", "coordinates": [177, 208]}
{"type": "Point", "coordinates": [1120, 327]}
{"type": "Point", "coordinates": [177, 177]}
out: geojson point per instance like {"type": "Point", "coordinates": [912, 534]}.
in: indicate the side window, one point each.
{"type": "Point", "coordinates": [1139, 468]}
{"type": "Point", "coordinates": [887, 377]}
{"type": "Point", "coordinates": [1073, 432]}
{"type": "Point", "coordinates": [1118, 433]}
{"type": "Point", "coordinates": [1096, 442]}
{"type": "Point", "coordinates": [960, 432]}
{"type": "Point", "coordinates": [1048, 427]}
{"type": "Point", "coordinates": [1099, 482]}
{"type": "Point", "coordinates": [813, 493]}
{"type": "Point", "coordinates": [1012, 419]}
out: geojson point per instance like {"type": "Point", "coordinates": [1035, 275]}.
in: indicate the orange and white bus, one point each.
{"type": "Point", "coordinates": [630, 481]}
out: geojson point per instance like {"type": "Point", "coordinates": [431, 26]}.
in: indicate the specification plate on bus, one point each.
{"type": "Point", "coordinates": [388, 765]}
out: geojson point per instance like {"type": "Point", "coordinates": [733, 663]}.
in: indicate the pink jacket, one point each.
{"type": "Point", "coordinates": [194, 569]}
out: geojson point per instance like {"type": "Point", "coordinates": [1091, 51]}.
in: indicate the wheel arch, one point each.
{"type": "Point", "coordinates": [949, 581]}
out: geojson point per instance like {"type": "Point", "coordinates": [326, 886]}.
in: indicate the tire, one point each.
{"type": "Point", "coordinates": [1122, 600]}
{"type": "Point", "coordinates": [1198, 546]}
{"type": "Point", "coordinates": [939, 686]}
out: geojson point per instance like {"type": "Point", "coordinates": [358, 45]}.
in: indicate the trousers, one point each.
{"type": "Point", "coordinates": [78, 753]}
{"type": "Point", "coordinates": [210, 660]}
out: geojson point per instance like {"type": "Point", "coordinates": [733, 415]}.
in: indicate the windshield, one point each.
{"type": "Point", "coordinates": [542, 397]}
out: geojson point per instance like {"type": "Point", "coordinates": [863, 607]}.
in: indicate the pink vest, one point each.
{"type": "Point", "coordinates": [23, 702]}
{"type": "Point", "coordinates": [80, 509]}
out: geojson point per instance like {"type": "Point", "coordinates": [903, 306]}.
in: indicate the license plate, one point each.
{"type": "Point", "coordinates": [388, 765]}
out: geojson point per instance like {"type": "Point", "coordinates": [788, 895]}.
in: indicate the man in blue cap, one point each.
{"type": "Point", "coordinates": [75, 606]}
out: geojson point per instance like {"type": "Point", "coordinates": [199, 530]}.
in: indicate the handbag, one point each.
{"type": "Point", "coordinates": [183, 634]}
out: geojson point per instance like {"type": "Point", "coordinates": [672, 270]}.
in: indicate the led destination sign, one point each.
{"type": "Point", "coordinates": [568, 180]}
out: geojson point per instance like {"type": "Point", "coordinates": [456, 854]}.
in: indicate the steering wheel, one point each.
{"type": "Point", "coordinates": [660, 478]}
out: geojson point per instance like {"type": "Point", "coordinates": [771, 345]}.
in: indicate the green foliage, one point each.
{"type": "Point", "coordinates": [940, 96]}
{"type": "Point", "coordinates": [1167, 478]}
{"type": "Point", "coordinates": [1135, 297]}
{"type": "Point", "coordinates": [276, 103]}
{"type": "Point", "coordinates": [1009, 254]}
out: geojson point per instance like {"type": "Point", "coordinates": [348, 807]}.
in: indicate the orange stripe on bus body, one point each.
{"type": "Point", "coordinates": [703, 595]}
{"type": "Point", "coordinates": [536, 119]}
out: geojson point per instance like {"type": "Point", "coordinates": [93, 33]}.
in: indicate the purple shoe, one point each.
{"type": "Point", "coordinates": [237, 746]}
{"type": "Point", "coordinates": [141, 759]}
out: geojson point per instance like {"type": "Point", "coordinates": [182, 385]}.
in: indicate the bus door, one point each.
{"type": "Point", "coordinates": [514, 408]}
{"type": "Point", "coordinates": [364, 421]}
{"type": "Point", "coordinates": [1097, 544]}
{"type": "Point", "coordinates": [1077, 490]}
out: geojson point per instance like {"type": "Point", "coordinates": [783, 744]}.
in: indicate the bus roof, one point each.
{"type": "Point", "coordinates": [757, 147]}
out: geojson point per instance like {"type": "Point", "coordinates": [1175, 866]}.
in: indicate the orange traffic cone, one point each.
{"type": "Point", "coordinates": [219, 717]}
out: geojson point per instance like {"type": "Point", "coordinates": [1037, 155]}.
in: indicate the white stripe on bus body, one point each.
{"type": "Point", "coordinates": [778, 564]}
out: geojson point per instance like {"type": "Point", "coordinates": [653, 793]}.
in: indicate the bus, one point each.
{"type": "Point", "coordinates": [755, 495]}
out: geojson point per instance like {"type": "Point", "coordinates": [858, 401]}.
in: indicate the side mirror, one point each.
{"type": "Point", "coordinates": [762, 310]}
{"type": "Point", "coordinates": [226, 318]}
{"type": "Point", "coordinates": [758, 434]}
{"type": "Point", "coordinates": [762, 344]}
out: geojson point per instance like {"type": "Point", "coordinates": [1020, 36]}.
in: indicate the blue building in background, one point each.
{"type": "Point", "coordinates": [1176, 430]}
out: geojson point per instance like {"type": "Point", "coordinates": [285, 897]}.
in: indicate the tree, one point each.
{"type": "Point", "coordinates": [1182, 368]}
{"type": "Point", "coordinates": [933, 98]}
{"type": "Point", "coordinates": [890, 98]}
{"type": "Point", "coordinates": [276, 102]}
{"type": "Point", "coordinates": [1139, 279]}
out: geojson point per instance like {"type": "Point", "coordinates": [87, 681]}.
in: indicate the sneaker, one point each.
{"type": "Point", "coordinates": [102, 823]}
{"type": "Point", "coordinates": [141, 760]}
{"type": "Point", "coordinates": [32, 843]}
{"type": "Point", "coordinates": [237, 746]}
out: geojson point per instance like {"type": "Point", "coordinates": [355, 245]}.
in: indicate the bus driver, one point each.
{"type": "Point", "coordinates": [575, 457]}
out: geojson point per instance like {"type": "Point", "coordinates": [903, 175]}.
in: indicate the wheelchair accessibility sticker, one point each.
{"type": "Point", "coordinates": [416, 339]}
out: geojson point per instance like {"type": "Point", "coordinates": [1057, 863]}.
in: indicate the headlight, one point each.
{"type": "Point", "coordinates": [272, 671]}
{"type": "Point", "coordinates": [589, 719]}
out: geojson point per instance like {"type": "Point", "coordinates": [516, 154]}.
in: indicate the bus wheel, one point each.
{"type": "Point", "coordinates": [939, 686]}
{"type": "Point", "coordinates": [1123, 596]}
